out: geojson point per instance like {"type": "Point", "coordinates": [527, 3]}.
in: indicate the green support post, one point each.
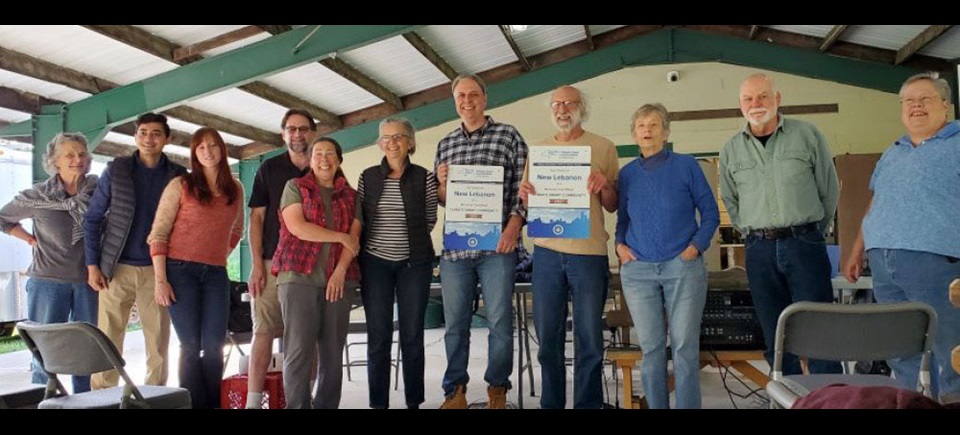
{"type": "Point", "coordinates": [46, 125]}
{"type": "Point", "coordinates": [247, 171]}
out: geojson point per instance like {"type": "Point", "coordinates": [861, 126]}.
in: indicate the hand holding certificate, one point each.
{"type": "Point", "coordinates": [474, 209]}
{"type": "Point", "coordinates": [561, 206]}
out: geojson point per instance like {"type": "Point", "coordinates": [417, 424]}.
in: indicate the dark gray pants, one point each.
{"type": "Point", "coordinates": [311, 322]}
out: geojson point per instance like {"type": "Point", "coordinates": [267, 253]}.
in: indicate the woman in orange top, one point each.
{"type": "Point", "coordinates": [198, 223]}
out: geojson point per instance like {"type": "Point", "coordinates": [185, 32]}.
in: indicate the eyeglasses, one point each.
{"type": "Point", "coordinates": [293, 129]}
{"type": "Point", "coordinates": [568, 104]}
{"type": "Point", "coordinates": [924, 101]}
{"type": "Point", "coordinates": [384, 140]}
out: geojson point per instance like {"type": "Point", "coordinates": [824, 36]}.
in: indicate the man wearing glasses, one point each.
{"type": "Point", "coordinates": [574, 269]}
{"type": "Point", "coordinates": [780, 186]}
{"type": "Point", "coordinates": [909, 232]}
{"type": "Point", "coordinates": [480, 141]}
{"type": "Point", "coordinates": [299, 129]}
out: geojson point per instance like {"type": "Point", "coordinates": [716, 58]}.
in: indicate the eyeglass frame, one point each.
{"type": "Point", "coordinates": [924, 100]}
{"type": "Point", "coordinates": [569, 104]}
{"type": "Point", "coordinates": [291, 129]}
{"type": "Point", "coordinates": [391, 138]}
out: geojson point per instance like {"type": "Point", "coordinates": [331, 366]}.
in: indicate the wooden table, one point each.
{"type": "Point", "coordinates": [626, 359]}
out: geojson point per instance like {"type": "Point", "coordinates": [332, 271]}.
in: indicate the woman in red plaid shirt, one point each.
{"type": "Point", "coordinates": [317, 274]}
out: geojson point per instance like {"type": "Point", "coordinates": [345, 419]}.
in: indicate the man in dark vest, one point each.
{"type": "Point", "coordinates": [116, 225]}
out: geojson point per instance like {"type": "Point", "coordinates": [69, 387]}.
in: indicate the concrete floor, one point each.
{"type": "Point", "coordinates": [14, 373]}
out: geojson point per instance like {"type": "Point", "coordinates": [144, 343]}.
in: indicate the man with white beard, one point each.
{"type": "Point", "coordinates": [574, 269]}
{"type": "Point", "coordinates": [780, 187]}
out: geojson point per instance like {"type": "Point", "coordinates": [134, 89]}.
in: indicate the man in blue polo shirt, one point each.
{"type": "Point", "coordinates": [910, 233]}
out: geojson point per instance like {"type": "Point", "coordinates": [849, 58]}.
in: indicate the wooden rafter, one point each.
{"type": "Point", "coordinates": [28, 102]}
{"type": "Point", "coordinates": [360, 79]}
{"type": "Point", "coordinates": [840, 48]}
{"type": "Point", "coordinates": [503, 72]}
{"type": "Point", "coordinates": [350, 73]}
{"type": "Point", "coordinates": [513, 46]}
{"type": "Point", "coordinates": [46, 71]}
{"type": "Point", "coordinates": [430, 54]}
{"type": "Point", "coordinates": [832, 37]}
{"type": "Point", "coordinates": [196, 49]}
{"type": "Point", "coordinates": [925, 37]}
{"type": "Point", "coordinates": [586, 30]}
{"type": "Point", "coordinates": [164, 49]}
{"type": "Point", "coordinates": [606, 39]}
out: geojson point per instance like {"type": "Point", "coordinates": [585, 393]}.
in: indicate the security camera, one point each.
{"type": "Point", "coordinates": [673, 76]}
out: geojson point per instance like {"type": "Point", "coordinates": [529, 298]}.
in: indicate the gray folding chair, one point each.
{"type": "Point", "coordinates": [849, 332]}
{"type": "Point", "coordinates": [79, 348]}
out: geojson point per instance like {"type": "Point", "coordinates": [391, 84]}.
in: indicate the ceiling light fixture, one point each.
{"type": "Point", "coordinates": [517, 28]}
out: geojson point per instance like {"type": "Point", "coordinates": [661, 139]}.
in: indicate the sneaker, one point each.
{"type": "Point", "coordinates": [457, 399]}
{"type": "Point", "coordinates": [497, 397]}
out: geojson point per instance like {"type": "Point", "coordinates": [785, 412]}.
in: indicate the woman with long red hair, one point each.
{"type": "Point", "coordinates": [198, 223]}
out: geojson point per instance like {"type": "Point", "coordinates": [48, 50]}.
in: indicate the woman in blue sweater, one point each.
{"type": "Point", "coordinates": [659, 244]}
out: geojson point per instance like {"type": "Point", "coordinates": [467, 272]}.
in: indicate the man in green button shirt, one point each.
{"type": "Point", "coordinates": [780, 187]}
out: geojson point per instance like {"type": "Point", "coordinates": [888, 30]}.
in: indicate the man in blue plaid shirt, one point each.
{"type": "Point", "coordinates": [480, 141]}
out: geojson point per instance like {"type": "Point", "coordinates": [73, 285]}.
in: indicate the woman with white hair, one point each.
{"type": "Point", "coordinates": [57, 291]}
{"type": "Point", "coordinates": [660, 246]}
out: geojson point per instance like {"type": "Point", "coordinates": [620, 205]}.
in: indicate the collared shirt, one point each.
{"type": "Point", "coordinates": [790, 181]}
{"type": "Point", "coordinates": [494, 144]}
{"type": "Point", "coordinates": [916, 195]}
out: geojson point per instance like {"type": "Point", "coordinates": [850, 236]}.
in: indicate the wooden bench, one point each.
{"type": "Point", "coordinates": [626, 359]}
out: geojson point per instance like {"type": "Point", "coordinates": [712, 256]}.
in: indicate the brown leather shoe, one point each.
{"type": "Point", "coordinates": [497, 397]}
{"type": "Point", "coordinates": [457, 399]}
{"type": "Point", "coordinates": [955, 292]}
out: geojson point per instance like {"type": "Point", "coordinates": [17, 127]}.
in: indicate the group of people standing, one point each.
{"type": "Point", "coordinates": [152, 233]}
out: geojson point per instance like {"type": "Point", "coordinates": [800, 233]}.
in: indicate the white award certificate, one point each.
{"type": "Point", "coordinates": [561, 207]}
{"type": "Point", "coordinates": [474, 210]}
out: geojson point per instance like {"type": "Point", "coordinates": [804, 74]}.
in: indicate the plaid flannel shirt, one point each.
{"type": "Point", "coordinates": [494, 144]}
{"type": "Point", "coordinates": [296, 255]}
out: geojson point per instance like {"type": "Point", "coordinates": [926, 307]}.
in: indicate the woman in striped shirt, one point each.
{"type": "Point", "coordinates": [398, 209]}
{"type": "Point", "coordinates": [198, 223]}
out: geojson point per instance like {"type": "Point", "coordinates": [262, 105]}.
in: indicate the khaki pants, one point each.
{"type": "Point", "coordinates": [134, 284]}
{"type": "Point", "coordinates": [267, 315]}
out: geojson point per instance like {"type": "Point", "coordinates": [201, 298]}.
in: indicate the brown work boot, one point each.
{"type": "Point", "coordinates": [497, 397]}
{"type": "Point", "coordinates": [457, 399]}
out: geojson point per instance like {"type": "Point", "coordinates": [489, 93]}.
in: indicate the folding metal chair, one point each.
{"type": "Point", "coordinates": [845, 333]}
{"type": "Point", "coordinates": [79, 348]}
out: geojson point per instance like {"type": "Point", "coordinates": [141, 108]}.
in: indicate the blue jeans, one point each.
{"type": "Point", "coordinates": [495, 273]}
{"type": "Point", "coordinates": [900, 275]}
{"type": "Point", "coordinates": [557, 278]}
{"type": "Point", "coordinates": [678, 289]}
{"type": "Point", "coordinates": [54, 302]}
{"type": "Point", "coordinates": [199, 316]}
{"type": "Point", "coordinates": [782, 272]}
{"type": "Point", "coordinates": [383, 281]}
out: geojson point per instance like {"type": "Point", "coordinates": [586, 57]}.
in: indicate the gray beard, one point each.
{"type": "Point", "coordinates": [298, 148]}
